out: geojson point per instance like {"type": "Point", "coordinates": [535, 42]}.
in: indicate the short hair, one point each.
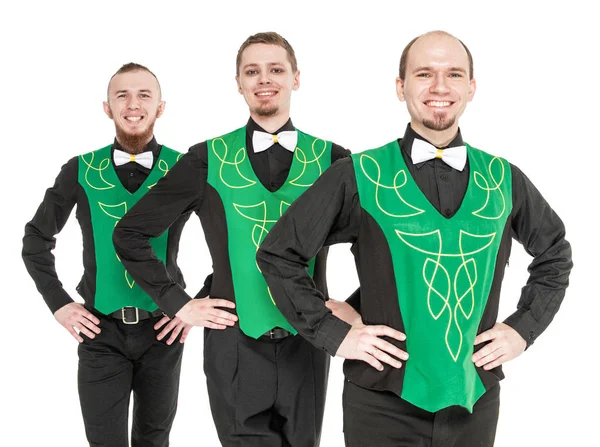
{"type": "Point", "coordinates": [404, 57]}
{"type": "Point", "coordinates": [128, 68]}
{"type": "Point", "coordinates": [269, 38]}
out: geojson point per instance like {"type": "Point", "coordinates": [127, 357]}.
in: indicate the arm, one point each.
{"type": "Point", "coordinates": [542, 233]}
{"type": "Point", "coordinates": [38, 243]}
{"type": "Point", "coordinates": [179, 192]}
{"type": "Point", "coordinates": [329, 212]}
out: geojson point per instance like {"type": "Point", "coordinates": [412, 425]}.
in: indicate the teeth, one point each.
{"type": "Point", "coordinates": [265, 94]}
{"type": "Point", "coordinates": [438, 103]}
{"type": "Point", "coordinates": [133, 118]}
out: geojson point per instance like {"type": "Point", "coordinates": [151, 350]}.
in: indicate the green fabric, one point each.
{"type": "Point", "coordinates": [443, 267]}
{"type": "Point", "coordinates": [251, 210]}
{"type": "Point", "coordinates": [109, 200]}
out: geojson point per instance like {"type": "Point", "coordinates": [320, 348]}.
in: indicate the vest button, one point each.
{"type": "Point", "coordinates": [447, 212]}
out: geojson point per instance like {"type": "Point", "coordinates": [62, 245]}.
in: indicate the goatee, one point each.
{"type": "Point", "coordinates": [134, 143]}
{"type": "Point", "coordinates": [266, 110]}
{"type": "Point", "coordinates": [438, 123]}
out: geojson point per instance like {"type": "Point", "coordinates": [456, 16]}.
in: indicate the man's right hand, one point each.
{"type": "Point", "coordinates": [75, 318]}
{"type": "Point", "coordinates": [363, 343]}
{"type": "Point", "coordinates": [204, 312]}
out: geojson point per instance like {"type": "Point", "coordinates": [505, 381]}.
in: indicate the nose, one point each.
{"type": "Point", "coordinates": [440, 84]}
{"type": "Point", "coordinates": [264, 77]}
{"type": "Point", "coordinates": [133, 103]}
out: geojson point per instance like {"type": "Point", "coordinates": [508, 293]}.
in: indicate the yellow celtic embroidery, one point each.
{"type": "Point", "coordinates": [302, 158]}
{"type": "Point", "coordinates": [104, 164]}
{"type": "Point", "coordinates": [482, 183]}
{"type": "Point", "coordinates": [239, 157]}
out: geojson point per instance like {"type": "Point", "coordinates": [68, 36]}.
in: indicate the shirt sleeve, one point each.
{"type": "Point", "coordinates": [542, 233]}
{"type": "Point", "coordinates": [179, 192]}
{"type": "Point", "coordinates": [327, 213]}
{"type": "Point", "coordinates": [39, 240]}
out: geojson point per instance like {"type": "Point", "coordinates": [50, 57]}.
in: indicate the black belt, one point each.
{"type": "Point", "coordinates": [276, 333]}
{"type": "Point", "coordinates": [133, 315]}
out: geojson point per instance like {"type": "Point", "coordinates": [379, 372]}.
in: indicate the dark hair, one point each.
{"type": "Point", "coordinates": [404, 57]}
{"type": "Point", "coordinates": [269, 38]}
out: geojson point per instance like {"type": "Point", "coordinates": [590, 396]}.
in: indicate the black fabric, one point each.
{"type": "Point", "coordinates": [265, 393]}
{"type": "Point", "coordinates": [121, 359]}
{"type": "Point", "coordinates": [330, 212]}
{"type": "Point", "coordinates": [52, 215]}
{"type": "Point", "coordinates": [382, 419]}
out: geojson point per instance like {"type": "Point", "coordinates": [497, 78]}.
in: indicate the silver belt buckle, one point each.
{"type": "Point", "coordinates": [137, 315]}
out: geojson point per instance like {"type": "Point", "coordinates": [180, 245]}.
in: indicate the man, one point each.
{"type": "Point", "coordinates": [119, 350]}
{"type": "Point", "coordinates": [431, 220]}
{"type": "Point", "coordinates": [266, 386]}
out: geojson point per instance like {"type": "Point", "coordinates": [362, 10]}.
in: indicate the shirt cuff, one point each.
{"type": "Point", "coordinates": [331, 333]}
{"type": "Point", "coordinates": [57, 298]}
{"type": "Point", "coordinates": [172, 301]}
{"type": "Point", "coordinates": [523, 322]}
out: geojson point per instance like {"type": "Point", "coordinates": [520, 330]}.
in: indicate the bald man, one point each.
{"type": "Point", "coordinates": [430, 219]}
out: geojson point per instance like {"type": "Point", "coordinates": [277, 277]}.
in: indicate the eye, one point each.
{"type": "Point", "coordinates": [423, 75]}
{"type": "Point", "coordinates": [277, 70]}
{"type": "Point", "coordinates": [121, 96]}
{"type": "Point", "coordinates": [251, 72]}
{"type": "Point", "coordinates": [456, 75]}
{"type": "Point", "coordinates": [144, 95]}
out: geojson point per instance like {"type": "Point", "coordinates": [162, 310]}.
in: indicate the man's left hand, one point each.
{"type": "Point", "coordinates": [506, 344]}
{"type": "Point", "coordinates": [175, 327]}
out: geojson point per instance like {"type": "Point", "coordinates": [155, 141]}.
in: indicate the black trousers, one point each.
{"type": "Point", "coordinates": [382, 419]}
{"type": "Point", "coordinates": [121, 359]}
{"type": "Point", "coordinates": [265, 393]}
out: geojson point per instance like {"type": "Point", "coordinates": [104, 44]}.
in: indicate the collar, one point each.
{"type": "Point", "coordinates": [410, 135]}
{"type": "Point", "coordinates": [251, 126]}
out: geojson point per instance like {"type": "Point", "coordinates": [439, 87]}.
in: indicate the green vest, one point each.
{"type": "Point", "coordinates": [251, 210]}
{"type": "Point", "coordinates": [109, 200]}
{"type": "Point", "coordinates": [443, 267]}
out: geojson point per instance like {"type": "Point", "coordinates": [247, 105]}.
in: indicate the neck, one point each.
{"type": "Point", "coordinates": [439, 138]}
{"type": "Point", "coordinates": [271, 123]}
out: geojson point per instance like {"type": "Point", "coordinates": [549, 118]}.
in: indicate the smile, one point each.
{"type": "Point", "coordinates": [438, 103]}
{"type": "Point", "coordinates": [265, 94]}
{"type": "Point", "coordinates": [134, 119]}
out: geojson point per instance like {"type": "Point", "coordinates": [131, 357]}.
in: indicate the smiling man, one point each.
{"type": "Point", "coordinates": [266, 385]}
{"type": "Point", "coordinates": [430, 219]}
{"type": "Point", "coordinates": [120, 350]}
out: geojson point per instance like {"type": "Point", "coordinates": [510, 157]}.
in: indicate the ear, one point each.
{"type": "Point", "coordinates": [296, 84]}
{"type": "Point", "coordinates": [107, 109]}
{"type": "Point", "coordinates": [400, 89]}
{"type": "Point", "coordinates": [472, 87]}
{"type": "Point", "coordinates": [237, 80]}
{"type": "Point", "coordinates": [161, 108]}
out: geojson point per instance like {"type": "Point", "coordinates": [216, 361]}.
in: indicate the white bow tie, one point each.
{"type": "Point", "coordinates": [145, 158]}
{"type": "Point", "coordinates": [455, 157]}
{"type": "Point", "coordinates": [261, 141]}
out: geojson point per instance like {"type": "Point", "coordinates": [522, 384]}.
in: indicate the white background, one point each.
{"type": "Point", "coordinates": [536, 104]}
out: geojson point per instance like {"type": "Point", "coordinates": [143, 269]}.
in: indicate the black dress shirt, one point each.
{"type": "Point", "coordinates": [183, 190]}
{"type": "Point", "coordinates": [330, 212]}
{"type": "Point", "coordinates": [51, 216]}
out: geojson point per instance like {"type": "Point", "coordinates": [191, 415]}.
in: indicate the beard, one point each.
{"type": "Point", "coordinates": [266, 110]}
{"type": "Point", "coordinates": [134, 143]}
{"type": "Point", "coordinates": [439, 122]}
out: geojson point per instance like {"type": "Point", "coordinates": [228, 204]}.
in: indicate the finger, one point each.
{"type": "Point", "coordinates": [168, 328]}
{"type": "Point", "coordinates": [368, 358]}
{"type": "Point", "coordinates": [385, 358]}
{"type": "Point", "coordinates": [499, 361]}
{"type": "Point", "coordinates": [90, 325]}
{"type": "Point", "coordinates": [489, 358]}
{"type": "Point", "coordinates": [211, 325]}
{"type": "Point", "coordinates": [488, 335]}
{"type": "Point", "coordinates": [75, 335]}
{"type": "Point", "coordinates": [218, 302]}
{"type": "Point", "coordinates": [389, 348]}
{"type": "Point", "coordinates": [90, 316]}
{"type": "Point", "coordinates": [164, 320]}
{"type": "Point", "coordinates": [223, 314]}
{"type": "Point", "coordinates": [220, 320]}
{"type": "Point", "coordinates": [185, 333]}
{"type": "Point", "coordinates": [85, 331]}
{"type": "Point", "coordinates": [386, 331]}
{"type": "Point", "coordinates": [174, 335]}
{"type": "Point", "coordinates": [485, 351]}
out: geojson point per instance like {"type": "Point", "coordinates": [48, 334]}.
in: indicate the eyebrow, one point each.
{"type": "Point", "coordinates": [145, 90]}
{"type": "Point", "coordinates": [459, 69]}
{"type": "Point", "coordinates": [269, 64]}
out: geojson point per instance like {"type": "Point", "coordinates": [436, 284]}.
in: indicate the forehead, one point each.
{"type": "Point", "coordinates": [133, 81]}
{"type": "Point", "coordinates": [437, 50]}
{"type": "Point", "coordinates": [262, 53]}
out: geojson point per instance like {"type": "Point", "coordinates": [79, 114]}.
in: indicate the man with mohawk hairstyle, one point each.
{"type": "Point", "coordinates": [430, 219]}
{"type": "Point", "coordinates": [120, 350]}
